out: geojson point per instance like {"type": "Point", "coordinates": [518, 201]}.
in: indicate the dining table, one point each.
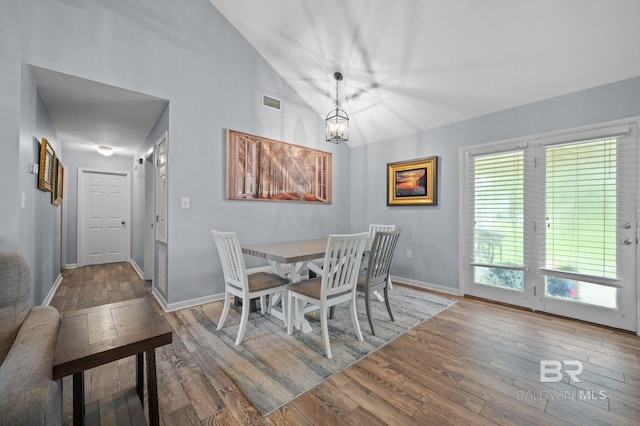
{"type": "Point", "coordinates": [287, 259]}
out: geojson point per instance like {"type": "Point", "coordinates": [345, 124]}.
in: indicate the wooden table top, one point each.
{"type": "Point", "coordinates": [288, 251]}
{"type": "Point", "coordinates": [291, 251]}
{"type": "Point", "coordinates": [94, 336]}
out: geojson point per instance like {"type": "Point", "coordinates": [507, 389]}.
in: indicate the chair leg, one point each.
{"type": "Point", "coordinates": [263, 305]}
{"type": "Point", "coordinates": [290, 318]}
{"type": "Point", "coordinates": [244, 318]}
{"type": "Point", "coordinates": [386, 302]}
{"type": "Point", "coordinates": [367, 304]}
{"type": "Point", "coordinates": [285, 312]}
{"type": "Point", "coordinates": [354, 317]}
{"type": "Point", "coordinates": [325, 330]}
{"type": "Point", "coordinates": [389, 282]}
{"type": "Point", "coordinates": [225, 310]}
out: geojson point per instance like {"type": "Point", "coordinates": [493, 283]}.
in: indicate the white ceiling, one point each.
{"type": "Point", "coordinates": [410, 65]}
{"type": "Point", "coordinates": [87, 114]}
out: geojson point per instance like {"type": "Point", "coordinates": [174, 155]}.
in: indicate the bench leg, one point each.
{"type": "Point", "coordinates": [152, 388]}
{"type": "Point", "coordinates": [78, 399]}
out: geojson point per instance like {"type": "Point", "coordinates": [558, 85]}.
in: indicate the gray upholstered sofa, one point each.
{"type": "Point", "coordinates": [28, 337]}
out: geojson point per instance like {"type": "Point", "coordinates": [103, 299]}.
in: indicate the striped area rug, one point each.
{"type": "Point", "coordinates": [272, 368]}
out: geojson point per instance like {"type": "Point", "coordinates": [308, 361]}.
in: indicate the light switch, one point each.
{"type": "Point", "coordinates": [184, 203]}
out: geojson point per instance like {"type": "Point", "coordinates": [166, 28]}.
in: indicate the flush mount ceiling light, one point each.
{"type": "Point", "coordinates": [105, 150]}
{"type": "Point", "coordinates": [337, 119]}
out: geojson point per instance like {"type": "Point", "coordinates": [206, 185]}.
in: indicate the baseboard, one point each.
{"type": "Point", "coordinates": [170, 307]}
{"type": "Point", "coordinates": [137, 269]}
{"type": "Point", "coordinates": [427, 286]}
{"type": "Point", "coordinates": [70, 266]}
{"type": "Point", "coordinates": [47, 300]}
{"type": "Point", "coordinates": [159, 298]}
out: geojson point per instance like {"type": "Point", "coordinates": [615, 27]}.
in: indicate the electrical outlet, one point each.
{"type": "Point", "coordinates": [409, 254]}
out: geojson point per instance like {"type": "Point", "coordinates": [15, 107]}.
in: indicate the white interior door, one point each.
{"type": "Point", "coordinates": [103, 217]}
{"type": "Point", "coordinates": [149, 219]}
{"type": "Point", "coordinates": [161, 188]}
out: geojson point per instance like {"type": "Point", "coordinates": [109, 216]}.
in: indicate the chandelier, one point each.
{"type": "Point", "coordinates": [337, 120]}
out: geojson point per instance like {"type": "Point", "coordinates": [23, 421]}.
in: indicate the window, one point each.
{"type": "Point", "coordinates": [498, 219]}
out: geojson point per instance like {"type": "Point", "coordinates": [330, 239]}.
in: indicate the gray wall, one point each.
{"type": "Point", "coordinates": [213, 79]}
{"type": "Point", "coordinates": [39, 221]}
{"type": "Point", "coordinates": [10, 56]}
{"type": "Point", "coordinates": [432, 232]}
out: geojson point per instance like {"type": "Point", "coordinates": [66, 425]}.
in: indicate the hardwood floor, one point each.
{"type": "Point", "coordinates": [474, 363]}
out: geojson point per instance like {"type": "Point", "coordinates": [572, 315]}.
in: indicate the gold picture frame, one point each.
{"type": "Point", "coordinates": [58, 183]}
{"type": "Point", "coordinates": [263, 169]}
{"type": "Point", "coordinates": [413, 182]}
{"type": "Point", "coordinates": [45, 169]}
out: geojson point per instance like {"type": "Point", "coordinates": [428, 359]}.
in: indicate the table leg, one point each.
{"type": "Point", "coordinates": [152, 388]}
{"type": "Point", "coordinates": [140, 376]}
{"type": "Point", "coordinates": [78, 399]}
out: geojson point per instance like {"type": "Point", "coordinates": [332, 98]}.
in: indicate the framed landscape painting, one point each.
{"type": "Point", "coordinates": [413, 182]}
{"type": "Point", "coordinates": [259, 168]}
{"type": "Point", "coordinates": [58, 183]}
{"type": "Point", "coordinates": [45, 169]}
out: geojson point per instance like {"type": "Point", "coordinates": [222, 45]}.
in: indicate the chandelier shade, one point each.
{"type": "Point", "coordinates": [337, 121]}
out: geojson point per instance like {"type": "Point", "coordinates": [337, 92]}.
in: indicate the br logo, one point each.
{"type": "Point", "coordinates": [552, 371]}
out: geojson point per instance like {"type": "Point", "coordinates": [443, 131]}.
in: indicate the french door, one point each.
{"type": "Point", "coordinates": [551, 224]}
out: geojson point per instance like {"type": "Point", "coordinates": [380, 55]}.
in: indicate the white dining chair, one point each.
{"type": "Point", "coordinates": [373, 228]}
{"type": "Point", "coordinates": [335, 283]}
{"type": "Point", "coordinates": [239, 283]}
{"type": "Point", "coordinates": [375, 277]}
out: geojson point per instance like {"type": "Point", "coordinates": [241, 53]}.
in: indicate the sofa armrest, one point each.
{"type": "Point", "coordinates": [26, 388]}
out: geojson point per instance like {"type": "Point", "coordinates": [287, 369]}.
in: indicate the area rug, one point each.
{"type": "Point", "coordinates": [272, 368]}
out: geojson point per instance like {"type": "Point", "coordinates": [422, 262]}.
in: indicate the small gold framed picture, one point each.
{"type": "Point", "coordinates": [413, 182]}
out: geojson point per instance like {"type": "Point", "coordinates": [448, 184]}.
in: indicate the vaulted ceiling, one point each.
{"type": "Point", "coordinates": [411, 65]}
{"type": "Point", "coordinates": [408, 65]}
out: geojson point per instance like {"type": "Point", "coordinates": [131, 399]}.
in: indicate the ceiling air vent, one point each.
{"type": "Point", "coordinates": [270, 102]}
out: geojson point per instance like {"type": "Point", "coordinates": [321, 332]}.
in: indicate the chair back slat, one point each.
{"type": "Point", "coordinates": [342, 263]}
{"type": "Point", "coordinates": [233, 266]}
{"type": "Point", "coordinates": [375, 228]}
{"type": "Point", "coordinates": [381, 255]}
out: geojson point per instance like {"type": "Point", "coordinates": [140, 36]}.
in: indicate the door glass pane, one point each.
{"type": "Point", "coordinates": [580, 291]}
{"type": "Point", "coordinates": [499, 277]}
{"type": "Point", "coordinates": [581, 194]}
{"type": "Point", "coordinates": [499, 219]}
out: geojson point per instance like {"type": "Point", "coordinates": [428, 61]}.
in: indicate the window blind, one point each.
{"type": "Point", "coordinates": [581, 188]}
{"type": "Point", "coordinates": [498, 209]}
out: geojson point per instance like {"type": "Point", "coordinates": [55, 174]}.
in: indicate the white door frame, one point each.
{"type": "Point", "coordinates": [80, 210]}
{"type": "Point", "coordinates": [160, 187]}
{"type": "Point", "coordinates": [463, 265]}
{"type": "Point", "coordinates": [149, 216]}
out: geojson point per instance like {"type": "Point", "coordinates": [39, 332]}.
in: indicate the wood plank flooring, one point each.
{"type": "Point", "coordinates": [474, 363]}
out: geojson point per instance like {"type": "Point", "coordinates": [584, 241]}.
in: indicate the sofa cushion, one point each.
{"type": "Point", "coordinates": [15, 286]}
{"type": "Point", "coordinates": [27, 393]}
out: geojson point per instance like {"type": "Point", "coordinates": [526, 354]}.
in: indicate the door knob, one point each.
{"type": "Point", "coordinates": [627, 242]}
